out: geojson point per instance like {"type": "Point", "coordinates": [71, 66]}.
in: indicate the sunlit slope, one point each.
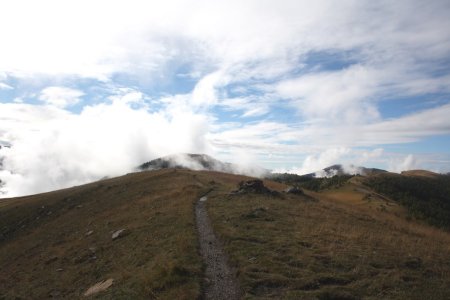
{"type": "Point", "coordinates": [425, 195]}
{"type": "Point", "coordinates": [420, 173]}
{"type": "Point", "coordinates": [419, 195]}
{"type": "Point", "coordinates": [354, 192]}
{"type": "Point", "coordinates": [59, 244]}
{"type": "Point", "coordinates": [281, 245]}
{"type": "Point", "coordinates": [290, 246]}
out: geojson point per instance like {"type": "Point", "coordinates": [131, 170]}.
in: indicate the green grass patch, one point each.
{"type": "Point", "coordinates": [291, 248]}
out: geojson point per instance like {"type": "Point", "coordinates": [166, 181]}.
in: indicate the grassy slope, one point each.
{"type": "Point", "coordinates": [282, 247]}
{"type": "Point", "coordinates": [425, 197]}
{"type": "Point", "coordinates": [157, 258]}
{"type": "Point", "coordinates": [290, 247]}
{"type": "Point", "coordinates": [354, 192]}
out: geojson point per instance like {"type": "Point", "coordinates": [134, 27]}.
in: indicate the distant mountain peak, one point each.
{"type": "Point", "coordinates": [186, 160]}
{"type": "Point", "coordinates": [339, 169]}
{"type": "Point", "coordinates": [195, 161]}
{"type": "Point", "coordinates": [420, 173]}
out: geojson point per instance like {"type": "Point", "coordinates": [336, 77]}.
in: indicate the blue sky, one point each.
{"type": "Point", "coordinates": [93, 89]}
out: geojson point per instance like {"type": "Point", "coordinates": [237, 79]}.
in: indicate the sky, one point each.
{"type": "Point", "coordinates": [94, 88]}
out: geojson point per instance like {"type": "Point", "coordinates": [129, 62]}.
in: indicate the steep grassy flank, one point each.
{"type": "Point", "coordinates": [311, 183]}
{"type": "Point", "coordinates": [421, 173]}
{"type": "Point", "coordinates": [292, 248]}
{"type": "Point", "coordinates": [425, 197]}
{"type": "Point", "coordinates": [354, 192]}
{"type": "Point", "coordinates": [46, 249]}
{"type": "Point", "coordinates": [59, 244]}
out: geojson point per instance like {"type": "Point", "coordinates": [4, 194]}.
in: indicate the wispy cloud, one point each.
{"type": "Point", "coordinates": [60, 96]}
{"type": "Point", "coordinates": [292, 84]}
{"type": "Point", "coordinates": [54, 148]}
{"type": "Point", "coordinates": [4, 86]}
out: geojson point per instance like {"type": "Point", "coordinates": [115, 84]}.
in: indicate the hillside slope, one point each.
{"type": "Point", "coordinates": [427, 197]}
{"type": "Point", "coordinates": [292, 247]}
{"type": "Point", "coordinates": [60, 244]}
{"type": "Point", "coordinates": [418, 194]}
{"type": "Point", "coordinates": [202, 162]}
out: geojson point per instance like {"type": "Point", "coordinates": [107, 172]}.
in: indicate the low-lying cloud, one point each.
{"type": "Point", "coordinates": [290, 85]}
{"type": "Point", "coordinates": [60, 96]}
{"type": "Point", "coordinates": [64, 149]}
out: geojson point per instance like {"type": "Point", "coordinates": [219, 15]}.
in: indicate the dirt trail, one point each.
{"type": "Point", "coordinates": [220, 282]}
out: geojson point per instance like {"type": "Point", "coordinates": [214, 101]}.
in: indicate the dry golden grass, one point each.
{"type": "Point", "coordinates": [282, 246]}
{"type": "Point", "coordinates": [356, 194]}
{"type": "Point", "coordinates": [289, 247]}
{"type": "Point", "coordinates": [49, 254]}
{"type": "Point", "coordinates": [421, 173]}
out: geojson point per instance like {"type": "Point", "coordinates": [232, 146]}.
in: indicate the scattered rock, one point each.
{"type": "Point", "coordinates": [413, 263]}
{"type": "Point", "coordinates": [119, 233]}
{"type": "Point", "coordinates": [80, 259]}
{"type": "Point", "coordinates": [294, 190]}
{"type": "Point", "coordinates": [99, 287]}
{"type": "Point", "coordinates": [253, 186]}
{"type": "Point", "coordinates": [256, 213]}
{"type": "Point", "coordinates": [220, 281]}
{"type": "Point", "coordinates": [54, 294]}
{"type": "Point", "coordinates": [260, 213]}
{"type": "Point", "coordinates": [51, 259]}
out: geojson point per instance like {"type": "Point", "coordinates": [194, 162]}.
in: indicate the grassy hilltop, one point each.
{"type": "Point", "coordinates": [310, 246]}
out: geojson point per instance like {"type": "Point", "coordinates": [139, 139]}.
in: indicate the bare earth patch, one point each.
{"type": "Point", "coordinates": [99, 287]}
{"type": "Point", "coordinates": [220, 280]}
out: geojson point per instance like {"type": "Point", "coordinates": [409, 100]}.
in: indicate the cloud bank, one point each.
{"type": "Point", "coordinates": [89, 89]}
{"type": "Point", "coordinates": [60, 149]}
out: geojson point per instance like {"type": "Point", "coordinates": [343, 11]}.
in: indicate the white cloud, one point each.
{"type": "Point", "coordinates": [271, 50]}
{"type": "Point", "coordinates": [342, 96]}
{"type": "Point", "coordinates": [368, 155]}
{"type": "Point", "coordinates": [315, 163]}
{"type": "Point", "coordinates": [251, 106]}
{"type": "Point", "coordinates": [139, 37]}
{"type": "Point", "coordinates": [53, 148]}
{"type": "Point", "coordinates": [4, 86]}
{"type": "Point", "coordinates": [205, 91]}
{"type": "Point", "coordinates": [60, 96]}
{"type": "Point", "coordinates": [406, 163]}
{"type": "Point", "coordinates": [409, 128]}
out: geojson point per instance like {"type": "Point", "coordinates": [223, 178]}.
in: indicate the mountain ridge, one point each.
{"type": "Point", "coordinates": [138, 232]}
{"type": "Point", "coordinates": [196, 162]}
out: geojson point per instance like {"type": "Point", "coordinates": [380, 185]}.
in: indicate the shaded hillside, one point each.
{"type": "Point", "coordinates": [338, 170]}
{"type": "Point", "coordinates": [289, 247]}
{"type": "Point", "coordinates": [426, 197]}
{"type": "Point", "coordinates": [201, 162]}
{"type": "Point", "coordinates": [320, 179]}
{"type": "Point", "coordinates": [59, 244]}
{"type": "Point", "coordinates": [188, 161]}
{"type": "Point", "coordinates": [310, 182]}
{"type": "Point", "coordinates": [421, 173]}
{"type": "Point", "coordinates": [351, 170]}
